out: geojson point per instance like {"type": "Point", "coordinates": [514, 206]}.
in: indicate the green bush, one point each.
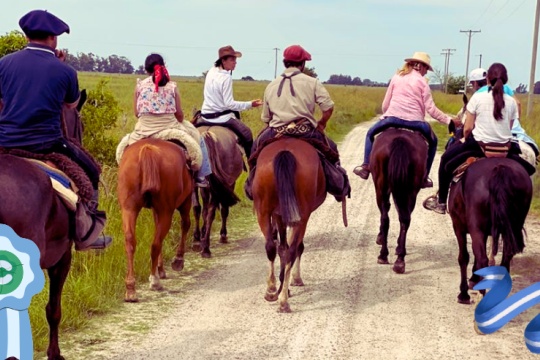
{"type": "Point", "coordinates": [99, 115]}
{"type": "Point", "coordinates": [11, 42]}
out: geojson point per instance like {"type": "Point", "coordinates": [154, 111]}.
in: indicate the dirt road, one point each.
{"type": "Point", "coordinates": [349, 308]}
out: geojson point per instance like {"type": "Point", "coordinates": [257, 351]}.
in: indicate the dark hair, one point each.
{"type": "Point", "coordinates": [219, 62]}
{"type": "Point", "coordinates": [151, 61]}
{"type": "Point", "coordinates": [37, 35]}
{"type": "Point", "coordinates": [289, 63]}
{"type": "Point", "coordinates": [481, 83]}
{"type": "Point", "coordinates": [497, 76]}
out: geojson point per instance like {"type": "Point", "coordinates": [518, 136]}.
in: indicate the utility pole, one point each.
{"type": "Point", "coordinates": [447, 53]}
{"type": "Point", "coordinates": [533, 61]}
{"type": "Point", "coordinates": [480, 65]}
{"type": "Point", "coordinates": [275, 66]}
{"type": "Point", "coordinates": [470, 33]}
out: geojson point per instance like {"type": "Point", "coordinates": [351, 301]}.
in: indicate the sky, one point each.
{"type": "Point", "coordinates": [364, 38]}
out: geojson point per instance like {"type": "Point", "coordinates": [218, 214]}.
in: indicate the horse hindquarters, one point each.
{"type": "Point", "coordinates": [510, 203]}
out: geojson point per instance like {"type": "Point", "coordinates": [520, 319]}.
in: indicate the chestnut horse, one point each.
{"type": "Point", "coordinates": [288, 186]}
{"type": "Point", "coordinates": [398, 166]}
{"type": "Point", "coordinates": [227, 165]}
{"type": "Point", "coordinates": [153, 174]}
{"type": "Point", "coordinates": [31, 207]}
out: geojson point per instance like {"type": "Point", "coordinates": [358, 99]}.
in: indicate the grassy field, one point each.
{"type": "Point", "coordinates": [95, 285]}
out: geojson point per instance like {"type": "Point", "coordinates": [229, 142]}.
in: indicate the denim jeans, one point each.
{"type": "Point", "coordinates": [205, 169]}
{"type": "Point", "coordinates": [388, 122]}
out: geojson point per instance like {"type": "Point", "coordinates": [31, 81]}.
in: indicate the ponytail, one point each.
{"type": "Point", "coordinates": [497, 76]}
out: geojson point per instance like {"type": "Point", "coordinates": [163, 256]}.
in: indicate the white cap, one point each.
{"type": "Point", "coordinates": [477, 75]}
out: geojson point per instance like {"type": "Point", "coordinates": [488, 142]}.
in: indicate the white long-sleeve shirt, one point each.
{"type": "Point", "coordinates": [218, 95]}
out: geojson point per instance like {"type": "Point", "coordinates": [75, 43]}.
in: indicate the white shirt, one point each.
{"type": "Point", "coordinates": [218, 95]}
{"type": "Point", "coordinates": [486, 127]}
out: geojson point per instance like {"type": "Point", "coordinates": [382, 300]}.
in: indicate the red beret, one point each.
{"type": "Point", "coordinates": [296, 53]}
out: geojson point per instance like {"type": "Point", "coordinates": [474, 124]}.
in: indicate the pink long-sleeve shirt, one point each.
{"type": "Point", "coordinates": [409, 98]}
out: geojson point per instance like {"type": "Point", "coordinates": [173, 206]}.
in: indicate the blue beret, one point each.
{"type": "Point", "coordinates": [43, 22]}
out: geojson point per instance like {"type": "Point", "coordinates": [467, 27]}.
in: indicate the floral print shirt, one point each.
{"type": "Point", "coordinates": [151, 102]}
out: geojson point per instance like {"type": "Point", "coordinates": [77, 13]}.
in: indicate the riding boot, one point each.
{"type": "Point", "coordinates": [247, 148]}
{"type": "Point", "coordinates": [200, 181]}
{"type": "Point", "coordinates": [89, 224]}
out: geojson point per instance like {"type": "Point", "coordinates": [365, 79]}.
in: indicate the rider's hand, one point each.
{"type": "Point", "coordinates": [60, 55]}
{"type": "Point", "coordinates": [256, 103]}
{"type": "Point", "coordinates": [321, 127]}
{"type": "Point", "coordinates": [457, 122]}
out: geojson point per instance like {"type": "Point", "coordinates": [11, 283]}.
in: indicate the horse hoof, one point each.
{"type": "Point", "coordinates": [162, 274]}
{"type": "Point", "coordinates": [379, 240]}
{"type": "Point", "coordinates": [131, 298]}
{"type": "Point", "coordinates": [298, 282]}
{"type": "Point", "coordinates": [156, 287]}
{"type": "Point", "coordinates": [491, 262]}
{"type": "Point", "coordinates": [206, 254]}
{"type": "Point", "coordinates": [52, 357]}
{"type": "Point", "coordinates": [472, 284]}
{"type": "Point", "coordinates": [399, 267]}
{"type": "Point", "coordinates": [177, 264]}
{"type": "Point", "coordinates": [382, 261]}
{"type": "Point", "coordinates": [284, 308]}
{"type": "Point", "coordinates": [196, 246]}
{"type": "Point", "coordinates": [223, 239]}
{"type": "Point", "coordinates": [465, 300]}
{"type": "Point", "coordinates": [270, 297]}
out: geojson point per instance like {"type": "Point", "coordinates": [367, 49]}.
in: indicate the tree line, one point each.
{"type": "Point", "coordinates": [348, 80]}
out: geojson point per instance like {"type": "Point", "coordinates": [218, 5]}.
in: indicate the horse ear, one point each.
{"type": "Point", "coordinates": [82, 100]}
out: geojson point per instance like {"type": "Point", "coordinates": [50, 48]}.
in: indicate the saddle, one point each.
{"type": "Point", "coordinates": [60, 168]}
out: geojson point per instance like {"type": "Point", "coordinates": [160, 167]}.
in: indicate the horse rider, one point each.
{"type": "Point", "coordinates": [289, 108]}
{"type": "Point", "coordinates": [219, 106]}
{"type": "Point", "coordinates": [405, 104]}
{"type": "Point", "coordinates": [489, 118]}
{"type": "Point", "coordinates": [34, 85]}
{"type": "Point", "coordinates": [477, 79]}
{"type": "Point", "coordinates": [158, 107]}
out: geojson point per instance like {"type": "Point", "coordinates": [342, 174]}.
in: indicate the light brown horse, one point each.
{"type": "Point", "coordinates": [288, 186]}
{"type": "Point", "coordinates": [153, 174]}
{"type": "Point", "coordinates": [227, 164]}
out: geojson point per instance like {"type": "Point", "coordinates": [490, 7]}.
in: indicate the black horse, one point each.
{"type": "Point", "coordinates": [31, 207]}
{"type": "Point", "coordinates": [398, 166]}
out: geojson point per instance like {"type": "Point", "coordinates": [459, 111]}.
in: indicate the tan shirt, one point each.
{"type": "Point", "coordinates": [283, 110]}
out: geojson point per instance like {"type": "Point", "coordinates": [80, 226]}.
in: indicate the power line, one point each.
{"type": "Point", "coordinates": [446, 53]}
{"type": "Point", "coordinates": [481, 16]}
{"type": "Point", "coordinates": [491, 17]}
{"type": "Point", "coordinates": [513, 12]}
{"type": "Point", "coordinates": [470, 33]}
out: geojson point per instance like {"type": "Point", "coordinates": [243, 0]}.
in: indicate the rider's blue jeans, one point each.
{"type": "Point", "coordinates": [421, 126]}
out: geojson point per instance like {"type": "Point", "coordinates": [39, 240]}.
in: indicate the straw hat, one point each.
{"type": "Point", "coordinates": [228, 51]}
{"type": "Point", "coordinates": [421, 57]}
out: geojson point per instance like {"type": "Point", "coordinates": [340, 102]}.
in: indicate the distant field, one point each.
{"type": "Point", "coordinates": [95, 284]}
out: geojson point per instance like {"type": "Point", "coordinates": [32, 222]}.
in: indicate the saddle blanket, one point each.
{"type": "Point", "coordinates": [61, 183]}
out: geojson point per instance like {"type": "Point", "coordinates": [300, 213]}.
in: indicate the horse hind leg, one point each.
{"type": "Point", "coordinates": [208, 221]}
{"type": "Point", "coordinates": [163, 219]}
{"type": "Point", "coordinates": [265, 223]}
{"type": "Point", "coordinates": [57, 277]}
{"type": "Point", "coordinates": [383, 202]}
{"type": "Point", "coordinates": [129, 219]}
{"type": "Point", "coordinates": [404, 214]}
{"type": "Point", "coordinates": [223, 231]}
{"type": "Point", "coordinates": [296, 276]}
{"type": "Point", "coordinates": [196, 245]}
{"type": "Point", "coordinates": [463, 261]}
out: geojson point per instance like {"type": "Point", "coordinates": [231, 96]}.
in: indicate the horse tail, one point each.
{"type": "Point", "coordinates": [222, 193]}
{"type": "Point", "coordinates": [505, 210]}
{"type": "Point", "coordinates": [284, 172]}
{"type": "Point", "coordinates": [400, 179]}
{"type": "Point", "coordinates": [149, 168]}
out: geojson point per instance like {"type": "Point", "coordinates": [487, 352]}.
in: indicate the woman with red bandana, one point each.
{"type": "Point", "coordinates": [157, 106]}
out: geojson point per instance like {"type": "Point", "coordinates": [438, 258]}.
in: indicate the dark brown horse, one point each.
{"type": "Point", "coordinates": [227, 165]}
{"type": "Point", "coordinates": [288, 186]}
{"type": "Point", "coordinates": [492, 199]}
{"type": "Point", "coordinates": [398, 167]}
{"type": "Point", "coordinates": [30, 206]}
{"type": "Point", "coordinates": [153, 174]}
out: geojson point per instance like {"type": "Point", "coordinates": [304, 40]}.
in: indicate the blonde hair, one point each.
{"type": "Point", "coordinates": [405, 69]}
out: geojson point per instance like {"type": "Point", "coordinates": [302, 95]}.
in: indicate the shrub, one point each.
{"type": "Point", "coordinates": [100, 115]}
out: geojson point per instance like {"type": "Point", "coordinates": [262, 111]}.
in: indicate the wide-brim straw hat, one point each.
{"type": "Point", "coordinates": [228, 51]}
{"type": "Point", "coordinates": [422, 57]}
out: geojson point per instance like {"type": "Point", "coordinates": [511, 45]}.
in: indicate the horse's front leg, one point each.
{"type": "Point", "coordinates": [223, 231]}
{"type": "Point", "coordinates": [196, 245]}
{"type": "Point", "coordinates": [57, 277]}
{"type": "Point", "coordinates": [463, 260]}
{"type": "Point", "coordinates": [178, 262]}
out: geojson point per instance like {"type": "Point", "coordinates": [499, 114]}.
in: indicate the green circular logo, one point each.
{"type": "Point", "coordinates": [11, 272]}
